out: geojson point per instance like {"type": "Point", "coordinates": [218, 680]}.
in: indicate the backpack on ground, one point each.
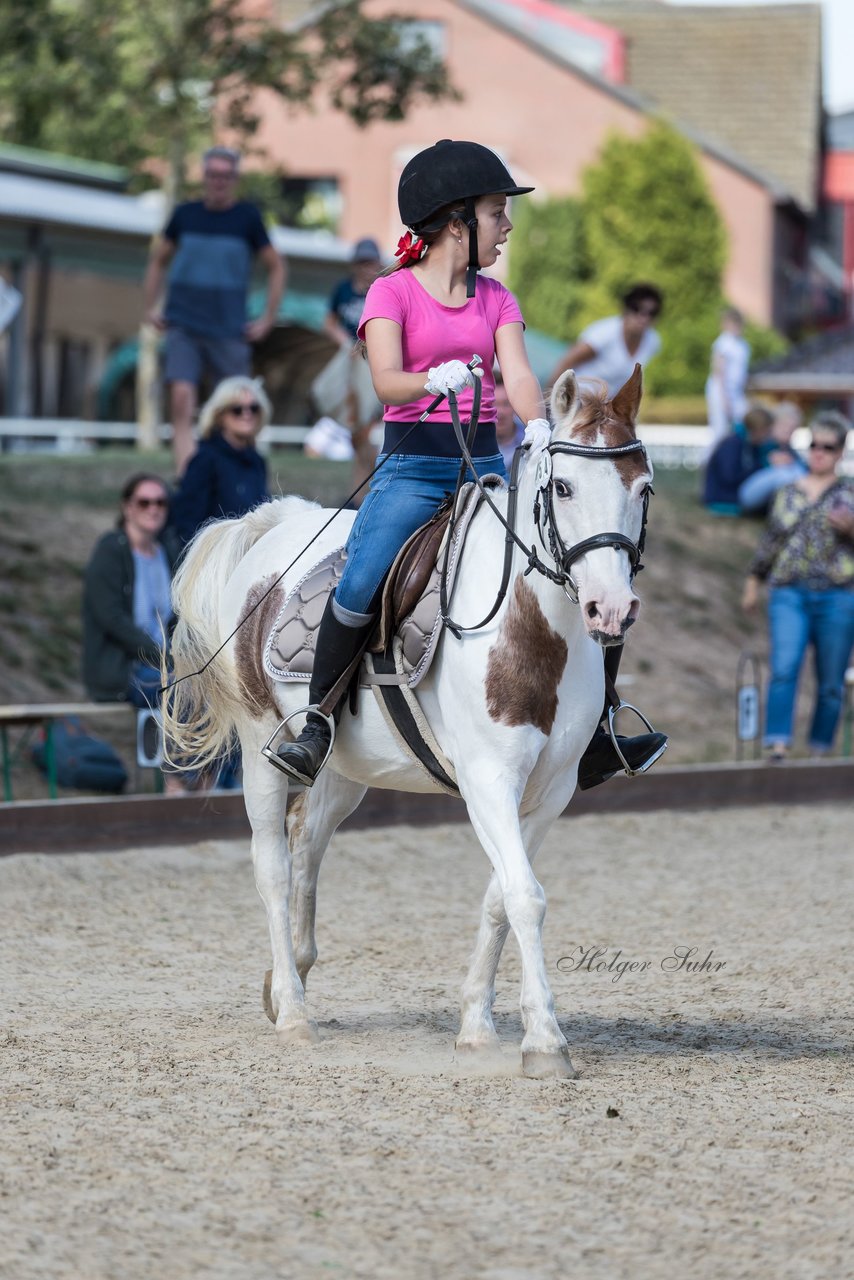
{"type": "Point", "coordinates": [83, 762]}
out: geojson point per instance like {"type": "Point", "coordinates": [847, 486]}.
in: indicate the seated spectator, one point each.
{"type": "Point", "coordinates": [509, 429]}
{"type": "Point", "coordinates": [226, 476]}
{"type": "Point", "coordinates": [782, 465]}
{"type": "Point", "coordinates": [127, 605]}
{"type": "Point", "coordinates": [738, 456]}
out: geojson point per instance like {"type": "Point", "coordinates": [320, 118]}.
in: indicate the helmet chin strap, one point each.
{"type": "Point", "coordinates": [474, 258]}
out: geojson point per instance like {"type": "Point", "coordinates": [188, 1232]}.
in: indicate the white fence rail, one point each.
{"type": "Point", "coordinates": [669, 446]}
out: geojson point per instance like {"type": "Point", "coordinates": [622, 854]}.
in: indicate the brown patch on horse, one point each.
{"type": "Point", "coordinates": [255, 625]}
{"type": "Point", "coordinates": [525, 664]}
{"type": "Point", "coordinates": [599, 420]}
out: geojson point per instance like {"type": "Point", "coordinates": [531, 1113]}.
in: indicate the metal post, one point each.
{"type": "Point", "coordinates": [50, 760]}
{"type": "Point", "coordinates": [848, 711]}
{"type": "Point", "coordinates": [748, 704]}
{"type": "Point", "coordinates": [7, 765]}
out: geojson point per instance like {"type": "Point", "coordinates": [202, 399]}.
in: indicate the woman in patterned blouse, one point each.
{"type": "Point", "coordinates": [806, 555]}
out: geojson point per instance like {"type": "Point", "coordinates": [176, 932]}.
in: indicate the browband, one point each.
{"type": "Point", "coordinates": [595, 451]}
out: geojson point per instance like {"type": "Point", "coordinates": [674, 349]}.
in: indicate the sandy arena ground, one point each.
{"type": "Point", "coordinates": [152, 1127]}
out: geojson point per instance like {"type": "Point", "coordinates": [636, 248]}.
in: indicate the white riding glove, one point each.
{"type": "Point", "coordinates": [537, 434]}
{"type": "Point", "coordinates": [453, 375]}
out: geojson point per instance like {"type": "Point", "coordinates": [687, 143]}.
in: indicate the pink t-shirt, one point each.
{"type": "Point", "coordinates": [432, 333]}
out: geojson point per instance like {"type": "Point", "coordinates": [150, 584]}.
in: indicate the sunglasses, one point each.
{"type": "Point", "coordinates": [244, 410]}
{"type": "Point", "coordinates": [650, 312]}
{"type": "Point", "coordinates": [145, 503]}
{"type": "Point", "coordinates": [823, 447]}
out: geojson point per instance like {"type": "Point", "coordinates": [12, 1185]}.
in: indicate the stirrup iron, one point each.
{"type": "Point", "coordinates": [269, 754]}
{"type": "Point", "coordinates": [612, 718]}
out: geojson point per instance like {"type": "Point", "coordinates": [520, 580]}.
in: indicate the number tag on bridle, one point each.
{"type": "Point", "coordinates": [544, 469]}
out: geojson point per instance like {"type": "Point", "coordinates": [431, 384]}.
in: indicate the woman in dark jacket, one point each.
{"type": "Point", "coordinates": [126, 598]}
{"type": "Point", "coordinates": [226, 476]}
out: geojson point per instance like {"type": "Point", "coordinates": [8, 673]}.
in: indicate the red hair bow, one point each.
{"type": "Point", "coordinates": [409, 250]}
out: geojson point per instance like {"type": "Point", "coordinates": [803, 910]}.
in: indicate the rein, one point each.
{"type": "Point", "coordinates": [563, 556]}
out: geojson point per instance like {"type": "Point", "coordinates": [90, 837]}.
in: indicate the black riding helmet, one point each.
{"type": "Point", "coordinates": [444, 173]}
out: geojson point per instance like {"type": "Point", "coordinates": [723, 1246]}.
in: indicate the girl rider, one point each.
{"type": "Point", "coordinates": [453, 196]}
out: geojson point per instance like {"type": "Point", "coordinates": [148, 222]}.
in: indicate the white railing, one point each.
{"type": "Point", "coordinates": [670, 447]}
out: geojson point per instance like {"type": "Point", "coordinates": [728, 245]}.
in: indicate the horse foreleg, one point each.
{"type": "Point", "coordinates": [313, 817]}
{"type": "Point", "coordinates": [265, 794]}
{"type": "Point", "coordinates": [515, 888]}
{"type": "Point", "coordinates": [477, 1029]}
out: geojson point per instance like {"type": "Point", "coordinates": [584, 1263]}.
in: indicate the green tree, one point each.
{"type": "Point", "coordinates": [648, 216]}
{"type": "Point", "coordinates": [128, 80]}
{"type": "Point", "coordinates": [549, 264]}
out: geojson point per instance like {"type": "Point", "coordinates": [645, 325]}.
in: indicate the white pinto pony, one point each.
{"type": "Point", "coordinates": [531, 685]}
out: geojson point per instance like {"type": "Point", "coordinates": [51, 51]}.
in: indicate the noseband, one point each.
{"type": "Point", "coordinates": [544, 513]}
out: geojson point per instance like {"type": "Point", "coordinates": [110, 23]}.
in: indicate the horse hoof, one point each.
{"type": "Point", "coordinates": [297, 1031]}
{"type": "Point", "coordinates": [267, 996]}
{"type": "Point", "coordinates": [548, 1066]}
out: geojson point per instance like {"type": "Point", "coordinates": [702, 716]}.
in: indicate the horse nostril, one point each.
{"type": "Point", "coordinates": [592, 610]}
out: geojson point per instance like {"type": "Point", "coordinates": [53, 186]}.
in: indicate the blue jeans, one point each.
{"type": "Point", "coordinates": [798, 617]}
{"type": "Point", "coordinates": [404, 494]}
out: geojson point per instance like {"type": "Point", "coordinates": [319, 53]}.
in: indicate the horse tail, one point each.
{"type": "Point", "coordinates": [203, 703]}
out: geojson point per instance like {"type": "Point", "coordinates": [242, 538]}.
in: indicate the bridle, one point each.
{"type": "Point", "coordinates": [544, 517]}
{"type": "Point", "coordinates": [546, 522]}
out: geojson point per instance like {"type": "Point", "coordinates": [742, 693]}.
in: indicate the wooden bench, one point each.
{"type": "Point", "coordinates": [45, 714]}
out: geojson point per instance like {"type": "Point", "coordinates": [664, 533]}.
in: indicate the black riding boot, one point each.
{"type": "Point", "coordinates": [335, 648]}
{"type": "Point", "coordinates": [600, 760]}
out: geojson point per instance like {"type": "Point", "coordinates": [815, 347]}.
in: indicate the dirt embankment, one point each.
{"type": "Point", "coordinates": [680, 659]}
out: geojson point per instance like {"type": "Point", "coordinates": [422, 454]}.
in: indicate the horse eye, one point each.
{"type": "Point", "coordinates": [562, 489]}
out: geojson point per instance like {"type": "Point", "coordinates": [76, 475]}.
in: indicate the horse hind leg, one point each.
{"type": "Point", "coordinates": [313, 817]}
{"type": "Point", "coordinates": [477, 1029]}
{"type": "Point", "coordinates": [265, 795]}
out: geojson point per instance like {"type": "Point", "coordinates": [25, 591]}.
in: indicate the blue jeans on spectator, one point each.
{"type": "Point", "coordinates": [404, 494]}
{"type": "Point", "coordinates": [798, 617]}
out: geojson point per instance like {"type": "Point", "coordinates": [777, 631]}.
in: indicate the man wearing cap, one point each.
{"type": "Point", "coordinates": [348, 297]}
{"type": "Point", "coordinates": [362, 409]}
{"type": "Point", "coordinates": [204, 257]}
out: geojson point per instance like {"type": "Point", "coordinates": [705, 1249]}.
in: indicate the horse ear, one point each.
{"type": "Point", "coordinates": [564, 397]}
{"type": "Point", "coordinates": [626, 402]}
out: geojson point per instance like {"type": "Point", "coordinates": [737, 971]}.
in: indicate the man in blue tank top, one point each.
{"type": "Point", "coordinates": [207, 248]}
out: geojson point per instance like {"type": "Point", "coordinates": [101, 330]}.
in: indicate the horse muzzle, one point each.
{"type": "Point", "coordinates": [608, 617]}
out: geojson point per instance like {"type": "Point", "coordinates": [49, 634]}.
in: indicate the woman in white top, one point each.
{"type": "Point", "coordinates": [726, 399]}
{"type": "Point", "coordinates": [609, 349]}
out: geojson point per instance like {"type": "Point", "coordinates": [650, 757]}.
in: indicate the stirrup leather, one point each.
{"type": "Point", "coordinates": [269, 754]}
{"type": "Point", "coordinates": [612, 718]}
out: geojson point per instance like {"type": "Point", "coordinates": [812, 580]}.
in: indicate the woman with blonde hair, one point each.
{"type": "Point", "coordinates": [226, 476]}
